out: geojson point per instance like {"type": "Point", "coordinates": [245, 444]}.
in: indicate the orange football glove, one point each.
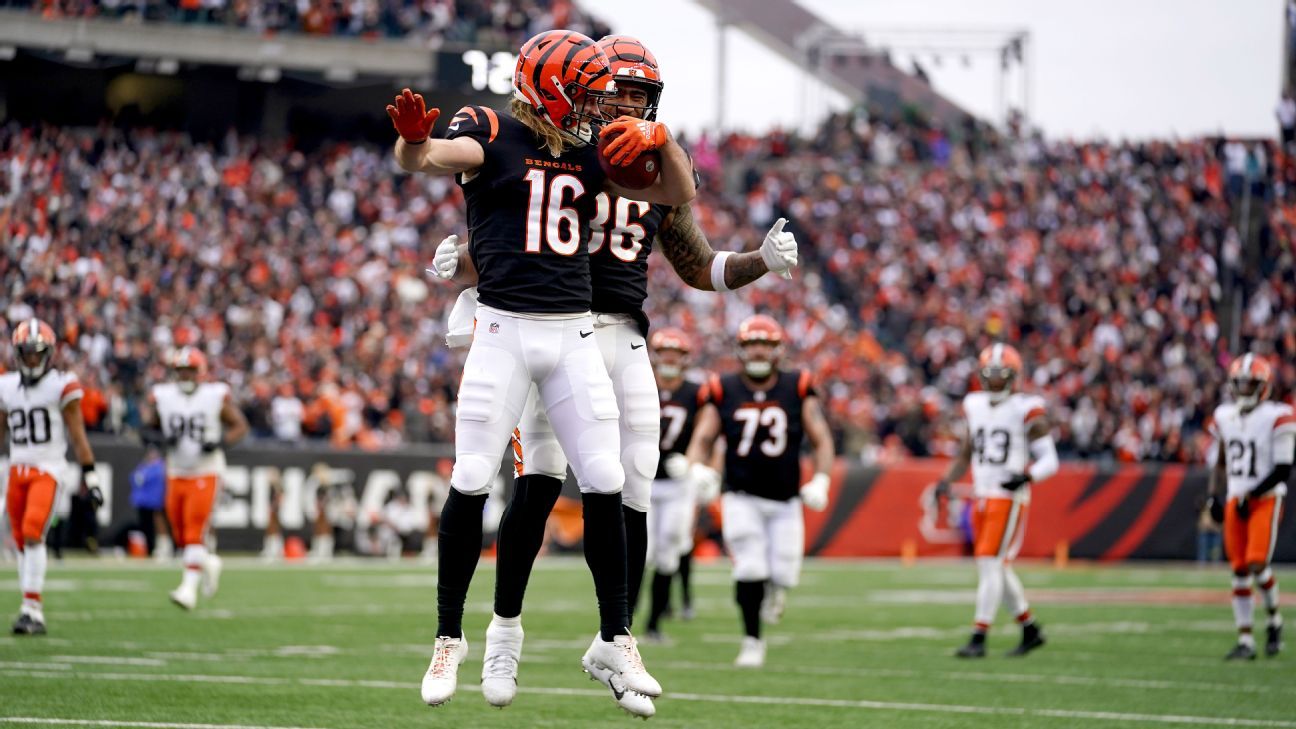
{"type": "Point", "coordinates": [633, 138]}
{"type": "Point", "coordinates": [411, 117]}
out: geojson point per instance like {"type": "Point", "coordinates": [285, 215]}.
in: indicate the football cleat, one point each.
{"type": "Point", "coordinates": [752, 653]}
{"type": "Point", "coordinates": [28, 624]}
{"type": "Point", "coordinates": [185, 598]}
{"type": "Point", "coordinates": [1273, 640]}
{"type": "Point", "coordinates": [1032, 638]}
{"type": "Point", "coordinates": [633, 702]}
{"type": "Point", "coordinates": [442, 676]}
{"type": "Point", "coordinates": [500, 663]}
{"type": "Point", "coordinates": [1241, 652]}
{"type": "Point", "coordinates": [211, 572]}
{"type": "Point", "coordinates": [975, 647]}
{"type": "Point", "coordinates": [621, 656]}
{"type": "Point", "coordinates": [686, 613]}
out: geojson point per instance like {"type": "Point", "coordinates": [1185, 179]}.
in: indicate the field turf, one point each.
{"type": "Point", "coordinates": [863, 644]}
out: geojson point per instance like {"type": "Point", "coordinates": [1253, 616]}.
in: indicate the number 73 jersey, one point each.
{"type": "Point", "coordinates": [37, 436]}
{"type": "Point", "coordinates": [763, 433]}
{"type": "Point", "coordinates": [1249, 440]}
{"type": "Point", "coordinates": [191, 420]}
{"type": "Point", "coordinates": [998, 436]}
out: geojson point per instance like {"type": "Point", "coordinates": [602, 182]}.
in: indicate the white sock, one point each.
{"type": "Point", "coordinates": [1268, 585]}
{"type": "Point", "coordinates": [195, 556]}
{"type": "Point", "coordinates": [1014, 594]}
{"type": "Point", "coordinates": [990, 587]}
{"type": "Point", "coordinates": [513, 622]}
{"type": "Point", "coordinates": [34, 558]}
{"type": "Point", "coordinates": [323, 546]}
{"type": "Point", "coordinates": [1242, 606]}
{"type": "Point", "coordinates": [272, 546]}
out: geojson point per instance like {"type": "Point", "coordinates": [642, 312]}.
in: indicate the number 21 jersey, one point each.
{"type": "Point", "coordinates": [763, 433]}
{"type": "Point", "coordinates": [997, 433]}
{"type": "Point", "coordinates": [1249, 439]}
{"type": "Point", "coordinates": [37, 436]}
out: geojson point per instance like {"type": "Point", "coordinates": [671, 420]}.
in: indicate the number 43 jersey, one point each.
{"type": "Point", "coordinates": [997, 433]}
{"type": "Point", "coordinates": [34, 412]}
{"type": "Point", "coordinates": [763, 433]}
{"type": "Point", "coordinates": [191, 420]}
{"type": "Point", "coordinates": [1249, 439]}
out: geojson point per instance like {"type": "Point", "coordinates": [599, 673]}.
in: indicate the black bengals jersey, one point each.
{"type": "Point", "coordinates": [679, 409]}
{"type": "Point", "coordinates": [763, 433]}
{"type": "Point", "coordinates": [622, 235]}
{"type": "Point", "coordinates": [528, 215]}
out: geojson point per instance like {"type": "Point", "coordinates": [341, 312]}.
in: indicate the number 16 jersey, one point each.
{"type": "Point", "coordinates": [1249, 439]}
{"type": "Point", "coordinates": [998, 436]}
{"type": "Point", "coordinates": [37, 436]}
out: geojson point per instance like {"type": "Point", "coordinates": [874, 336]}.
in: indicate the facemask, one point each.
{"type": "Point", "coordinates": [758, 370]}
{"type": "Point", "coordinates": [669, 372]}
{"type": "Point", "coordinates": [187, 387]}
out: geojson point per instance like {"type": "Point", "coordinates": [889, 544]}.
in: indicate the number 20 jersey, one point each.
{"type": "Point", "coordinates": [997, 433]}
{"type": "Point", "coordinates": [1248, 440]}
{"type": "Point", "coordinates": [528, 216]}
{"type": "Point", "coordinates": [763, 433]}
{"type": "Point", "coordinates": [191, 420]}
{"type": "Point", "coordinates": [37, 436]}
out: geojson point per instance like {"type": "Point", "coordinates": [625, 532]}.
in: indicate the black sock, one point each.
{"type": "Point", "coordinates": [749, 596]}
{"type": "Point", "coordinates": [605, 553]}
{"type": "Point", "coordinates": [661, 585]}
{"type": "Point", "coordinates": [636, 527]}
{"type": "Point", "coordinates": [686, 581]}
{"type": "Point", "coordinates": [459, 545]}
{"type": "Point", "coordinates": [521, 533]}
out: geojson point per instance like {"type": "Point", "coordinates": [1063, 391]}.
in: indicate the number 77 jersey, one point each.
{"type": "Point", "coordinates": [1249, 439]}
{"type": "Point", "coordinates": [998, 435]}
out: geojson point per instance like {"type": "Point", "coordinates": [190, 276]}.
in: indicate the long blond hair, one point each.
{"type": "Point", "coordinates": [551, 139]}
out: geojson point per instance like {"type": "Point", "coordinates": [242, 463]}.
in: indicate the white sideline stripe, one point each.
{"type": "Point", "coordinates": [713, 698]}
{"type": "Point", "coordinates": [144, 724]}
{"type": "Point", "coordinates": [36, 666]}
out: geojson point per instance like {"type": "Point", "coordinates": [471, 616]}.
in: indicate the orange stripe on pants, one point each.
{"type": "Point", "coordinates": [997, 527]}
{"type": "Point", "coordinates": [189, 503]}
{"type": "Point", "coordinates": [30, 503]}
{"type": "Point", "coordinates": [1251, 540]}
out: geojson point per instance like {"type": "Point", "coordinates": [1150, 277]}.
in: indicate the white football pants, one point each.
{"type": "Point", "coordinates": [765, 538]}
{"type": "Point", "coordinates": [670, 524]}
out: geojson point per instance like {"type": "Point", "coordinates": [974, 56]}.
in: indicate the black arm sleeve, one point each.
{"type": "Point", "coordinates": [1278, 475]}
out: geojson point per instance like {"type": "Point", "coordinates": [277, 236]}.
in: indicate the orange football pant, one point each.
{"type": "Point", "coordinates": [997, 527]}
{"type": "Point", "coordinates": [30, 503]}
{"type": "Point", "coordinates": [189, 503]}
{"type": "Point", "coordinates": [1251, 540]}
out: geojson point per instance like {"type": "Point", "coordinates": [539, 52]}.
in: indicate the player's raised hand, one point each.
{"type": "Point", "coordinates": [633, 137]}
{"type": "Point", "coordinates": [779, 250]}
{"type": "Point", "coordinates": [445, 262]}
{"type": "Point", "coordinates": [411, 117]}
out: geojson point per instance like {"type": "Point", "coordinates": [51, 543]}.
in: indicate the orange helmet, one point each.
{"type": "Point", "coordinates": [671, 338]}
{"type": "Point", "coordinates": [189, 358]}
{"type": "Point", "coordinates": [556, 72]}
{"type": "Point", "coordinates": [33, 343]}
{"type": "Point", "coordinates": [631, 62]}
{"type": "Point", "coordinates": [998, 362]}
{"type": "Point", "coordinates": [1250, 377]}
{"type": "Point", "coordinates": [759, 328]}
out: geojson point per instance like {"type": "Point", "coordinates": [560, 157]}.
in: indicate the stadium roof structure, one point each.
{"type": "Point", "coordinates": [844, 60]}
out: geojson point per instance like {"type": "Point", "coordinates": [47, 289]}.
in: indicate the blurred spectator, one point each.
{"type": "Point", "coordinates": [1286, 113]}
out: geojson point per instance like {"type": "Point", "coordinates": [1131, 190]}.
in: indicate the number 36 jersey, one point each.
{"type": "Point", "coordinates": [191, 420]}
{"type": "Point", "coordinates": [763, 433]}
{"type": "Point", "coordinates": [37, 436]}
{"type": "Point", "coordinates": [1249, 441]}
{"type": "Point", "coordinates": [998, 435]}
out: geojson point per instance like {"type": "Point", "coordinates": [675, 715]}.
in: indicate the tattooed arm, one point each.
{"type": "Point", "coordinates": [690, 254]}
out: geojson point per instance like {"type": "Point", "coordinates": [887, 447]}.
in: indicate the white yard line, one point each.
{"type": "Point", "coordinates": [141, 724]}
{"type": "Point", "coordinates": [897, 706]}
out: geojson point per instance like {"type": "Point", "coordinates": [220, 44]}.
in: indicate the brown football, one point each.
{"type": "Point", "coordinates": [638, 174]}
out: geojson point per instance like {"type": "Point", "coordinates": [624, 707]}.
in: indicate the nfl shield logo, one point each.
{"type": "Point", "coordinates": [494, 328]}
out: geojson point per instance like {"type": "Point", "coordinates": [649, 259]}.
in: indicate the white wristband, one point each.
{"type": "Point", "coordinates": [718, 271]}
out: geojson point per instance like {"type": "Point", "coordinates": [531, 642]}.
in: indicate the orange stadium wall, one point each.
{"type": "Point", "coordinates": [1090, 511]}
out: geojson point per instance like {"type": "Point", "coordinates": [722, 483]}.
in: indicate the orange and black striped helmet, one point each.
{"type": "Point", "coordinates": [632, 63]}
{"type": "Point", "coordinates": [558, 71]}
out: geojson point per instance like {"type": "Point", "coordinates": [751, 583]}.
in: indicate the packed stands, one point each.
{"type": "Point", "coordinates": [301, 274]}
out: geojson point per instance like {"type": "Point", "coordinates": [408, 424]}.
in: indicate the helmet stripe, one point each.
{"type": "Point", "coordinates": [537, 76]}
{"type": "Point", "coordinates": [1248, 361]}
{"type": "Point", "coordinates": [996, 355]}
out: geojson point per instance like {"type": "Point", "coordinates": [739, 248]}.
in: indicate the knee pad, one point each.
{"type": "Point", "coordinates": [602, 475]}
{"type": "Point", "coordinates": [544, 457]}
{"type": "Point", "coordinates": [484, 388]}
{"type": "Point", "coordinates": [473, 474]}
{"type": "Point", "coordinates": [749, 561]}
{"type": "Point", "coordinates": [639, 461]}
{"type": "Point", "coordinates": [640, 402]}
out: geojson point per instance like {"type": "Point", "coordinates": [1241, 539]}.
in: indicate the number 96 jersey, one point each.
{"type": "Point", "coordinates": [35, 418]}
{"type": "Point", "coordinates": [189, 421]}
{"type": "Point", "coordinates": [998, 437]}
{"type": "Point", "coordinates": [763, 433]}
{"type": "Point", "coordinates": [1249, 441]}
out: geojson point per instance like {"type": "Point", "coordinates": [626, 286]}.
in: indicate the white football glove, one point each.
{"type": "Point", "coordinates": [706, 482]}
{"type": "Point", "coordinates": [445, 262]}
{"type": "Point", "coordinates": [779, 250]}
{"type": "Point", "coordinates": [676, 466]}
{"type": "Point", "coordinates": [814, 493]}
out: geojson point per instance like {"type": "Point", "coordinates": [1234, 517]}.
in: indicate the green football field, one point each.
{"type": "Point", "coordinates": [863, 644]}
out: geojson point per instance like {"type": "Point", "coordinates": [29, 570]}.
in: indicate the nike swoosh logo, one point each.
{"type": "Point", "coordinates": [637, 346]}
{"type": "Point", "coordinates": [585, 334]}
{"type": "Point", "coordinates": [454, 127]}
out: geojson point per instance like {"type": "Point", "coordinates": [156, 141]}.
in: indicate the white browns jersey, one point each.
{"type": "Point", "coordinates": [37, 436]}
{"type": "Point", "coordinates": [1249, 439]}
{"type": "Point", "coordinates": [997, 434]}
{"type": "Point", "coordinates": [192, 420]}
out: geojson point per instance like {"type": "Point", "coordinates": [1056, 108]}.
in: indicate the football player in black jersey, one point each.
{"type": "Point", "coordinates": [530, 177]}
{"type": "Point", "coordinates": [764, 413]}
{"type": "Point", "coordinates": [622, 232]}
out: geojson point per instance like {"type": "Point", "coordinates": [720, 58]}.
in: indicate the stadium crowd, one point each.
{"type": "Point", "coordinates": [493, 23]}
{"type": "Point", "coordinates": [301, 275]}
